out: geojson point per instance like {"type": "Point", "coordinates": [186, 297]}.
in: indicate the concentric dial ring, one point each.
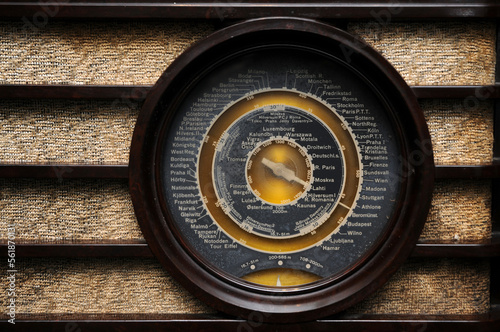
{"type": "Point", "coordinates": [338, 178]}
{"type": "Point", "coordinates": [279, 171]}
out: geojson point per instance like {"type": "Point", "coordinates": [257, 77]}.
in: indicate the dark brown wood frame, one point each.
{"type": "Point", "coordinates": [221, 11]}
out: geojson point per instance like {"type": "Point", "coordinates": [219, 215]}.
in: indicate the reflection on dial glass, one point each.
{"type": "Point", "coordinates": [277, 165]}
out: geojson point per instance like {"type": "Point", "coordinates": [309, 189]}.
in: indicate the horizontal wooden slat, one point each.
{"type": "Point", "coordinates": [460, 250]}
{"type": "Point", "coordinates": [123, 249]}
{"type": "Point", "coordinates": [140, 249]}
{"type": "Point", "coordinates": [139, 92]}
{"type": "Point", "coordinates": [131, 92]}
{"type": "Point", "coordinates": [489, 171]}
{"type": "Point", "coordinates": [382, 10]}
{"type": "Point", "coordinates": [474, 92]}
{"type": "Point", "coordinates": [220, 323]}
{"type": "Point", "coordinates": [63, 171]}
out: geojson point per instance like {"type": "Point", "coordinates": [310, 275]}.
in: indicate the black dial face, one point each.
{"type": "Point", "coordinates": [279, 167]}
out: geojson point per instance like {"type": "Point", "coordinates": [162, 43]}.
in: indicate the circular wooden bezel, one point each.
{"type": "Point", "coordinates": [232, 295]}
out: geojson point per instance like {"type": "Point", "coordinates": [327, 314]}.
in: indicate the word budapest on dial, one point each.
{"type": "Point", "coordinates": [281, 168]}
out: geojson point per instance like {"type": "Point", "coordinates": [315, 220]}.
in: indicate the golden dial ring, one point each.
{"type": "Point", "coordinates": [265, 179]}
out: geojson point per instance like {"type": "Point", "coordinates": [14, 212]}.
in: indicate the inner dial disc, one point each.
{"type": "Point", "coordinates": [272, 193]}
{"type": "Point", "coordinates": [279, 171]}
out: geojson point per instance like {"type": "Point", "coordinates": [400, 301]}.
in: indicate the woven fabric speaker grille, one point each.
{"type": "Point", "coordinates": [99, 132]}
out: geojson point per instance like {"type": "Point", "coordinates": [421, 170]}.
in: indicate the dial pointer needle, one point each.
{"type": "Point", "coordinates": [282, 171]}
